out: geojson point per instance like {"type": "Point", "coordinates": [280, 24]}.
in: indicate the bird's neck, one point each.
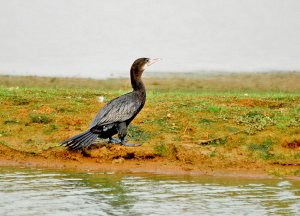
{"type": "Point", "coordinates": [136, 81]}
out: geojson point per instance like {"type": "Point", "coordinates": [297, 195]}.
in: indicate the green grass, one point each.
{"type": "Point", "coordinates": [160, 149]}
{"type": "Point", "coordinates": [40, 117]}
{"type": "Point", "coordinates": [263, 149]}
{"type": "Point", "coordinates": [67, 101]}
{"type": "Point", "coordinates": [136, 133]}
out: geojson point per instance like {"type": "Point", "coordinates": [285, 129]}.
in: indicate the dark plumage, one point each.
{"type": "Point", "coordinates": [115, 116]}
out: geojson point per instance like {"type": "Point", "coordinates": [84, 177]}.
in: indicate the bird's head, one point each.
{"type": "Point", "coordinates": [141, 64]}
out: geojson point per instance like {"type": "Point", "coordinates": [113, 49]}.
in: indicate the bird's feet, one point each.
{"type": "Point", "coordinates": [121, 142]}
{"type": "Point", "coordinates": [131, 145]}
{"type": "Point", "coordinates": [114, 141]}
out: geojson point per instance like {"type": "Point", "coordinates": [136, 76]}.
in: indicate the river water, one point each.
{"type": "Point", "coordinates": [26, 191]}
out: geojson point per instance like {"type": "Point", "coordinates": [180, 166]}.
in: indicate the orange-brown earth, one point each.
{"type": "Point", "coordinates": [140, 160]}
{"type": "Point", "coordinates": [239, 133]}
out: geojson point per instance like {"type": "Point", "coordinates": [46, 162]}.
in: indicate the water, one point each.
{"type": "Point", "coordinates": [48, 192]}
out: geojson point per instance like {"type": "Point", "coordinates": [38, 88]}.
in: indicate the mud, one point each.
{"type": "Point", "coordinates": [134, 160]}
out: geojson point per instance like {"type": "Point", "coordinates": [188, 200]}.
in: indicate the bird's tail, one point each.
{"type": "Point", "coordinates": [80, 141]}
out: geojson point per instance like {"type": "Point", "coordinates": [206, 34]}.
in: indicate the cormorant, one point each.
{"type": "Point", "coordinates": [116, 115]}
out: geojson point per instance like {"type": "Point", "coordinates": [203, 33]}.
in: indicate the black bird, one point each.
{"type": "Point", "coordinates": [115, 116]}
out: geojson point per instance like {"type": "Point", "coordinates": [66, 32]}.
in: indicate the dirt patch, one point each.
{"type": "Point", "coordinates": [137, 159]}
{"type": "Point", "coordinates": [292, 145]}
{"type": "Point", "coordinates": [72, 121]}
{"type": "Point", "coordinates": [253, 102]}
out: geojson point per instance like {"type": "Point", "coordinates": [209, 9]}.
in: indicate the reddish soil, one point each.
{"type": "Point", "coordinates": [129, 160]}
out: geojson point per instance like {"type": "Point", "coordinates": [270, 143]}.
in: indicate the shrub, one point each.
{"type": "Point", "coordinates": [39, 118]}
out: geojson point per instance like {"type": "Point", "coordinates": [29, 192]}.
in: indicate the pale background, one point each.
{"type": "Point", "coordinates": [96, 38]}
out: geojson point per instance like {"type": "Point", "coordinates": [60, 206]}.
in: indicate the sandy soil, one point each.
{"type": "Point", "coordinates": [130, 161]}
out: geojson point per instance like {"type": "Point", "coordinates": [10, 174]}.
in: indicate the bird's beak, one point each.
{"type": "Point", "coordinates": [152, 61]}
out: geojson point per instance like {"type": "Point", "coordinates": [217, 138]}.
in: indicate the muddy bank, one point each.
{"type": "Point", "coordinates": [128, 160]}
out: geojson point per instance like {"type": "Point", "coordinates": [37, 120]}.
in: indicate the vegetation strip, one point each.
{"type": "Point", "coordinates": [200, 128]}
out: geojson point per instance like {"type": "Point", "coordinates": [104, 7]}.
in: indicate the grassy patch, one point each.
{"type": "Point", "coordinates": [138, 134]}
{"type": "Point", "coordinates": [263, 149]}
{"type": "Point", "coordinates": [20, 100]}
{"type": "Point", "coordinates": [177, 116]}
{"type": "Point", "coordinates": [295, 122]}
{"type": "Point", "coordinates": [4, 133]}
{"type": "Point", "coordinates": [214, 109]}
{"type": "Point", "coordinates": [218, 142]}
{"type": "Point", "coordinates": [255, 120]}
{"type": "Point", "coordinates": [297, 155]}
{"type": "Point", "coordinates": [7, 122]}
{"type": "Point", "coordinates": [52, 129]}
{"type": "Point", "coordinates": [206, 121]}
{"type": "Point", "coordinates": [39, 118]}
{"type": "Point", "coordinates": [160, 149]}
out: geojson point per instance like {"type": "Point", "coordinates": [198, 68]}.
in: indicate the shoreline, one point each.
{"type": "Point", "coordinates": [239, 126]}
{"type": "Point", "coordinates": [159, 166]}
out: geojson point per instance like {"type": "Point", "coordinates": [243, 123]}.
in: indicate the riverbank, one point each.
{"type": "Point", "coordinates": [76, 161]}
{"type": "Point", "coordinates": [204, 125]}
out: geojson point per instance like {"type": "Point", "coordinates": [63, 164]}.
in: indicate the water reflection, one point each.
{"type": "Point", "coordinates": [40, 192]}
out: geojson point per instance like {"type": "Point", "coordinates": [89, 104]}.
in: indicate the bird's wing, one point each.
{"type": "Point", "coordinates": [118, 110]}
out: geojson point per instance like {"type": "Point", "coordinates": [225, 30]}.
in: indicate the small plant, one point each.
{"type": "Point", "coordinates": [39, 118]}
{"type": "Point", "coordinates": [295, 122]}
{"type": "Point", "coordinates": [275, 173]}
{"type": "Point", "coordinates": [256, 120]}
{"type": "Point", "coordinates": [160, 149]}
{"type": "Point", "coordinates": [137, 134]}
{"type": "Point", "coordinates": [223, 116]}
{"type": "Point", "coordinates": [62, 110]}
{"type": "Point", "coordinates": [297, 172]}
{"type": "Point", "coordinates": [167, 150]}
{"type": "Point", "coordinates": [20, 100]}
{"type": "Point", "coordinates": [10, 122]}
{"type": "Point", "coordinates": [3, 133]}
{"type": "Point", "coordinates": [203, 103]}
{"type": "Point", "coordinates": [212, 154]}
{"type": "Point", "coordinates": [205, 121]}
{"type": "Point", "coordinates": [221, 141]}
{"type": "Point", "coordinates": [53, 127]}
{"type": "Point", "coordinates": [216, 142]}
{"type": "Point", "coordinates": [297, 156]}
{"type": "Point", "coordinates": [214, 109]}
{"type": "Point", "coordinates": [263, 148]}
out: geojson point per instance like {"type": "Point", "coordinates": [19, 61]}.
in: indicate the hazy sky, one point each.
{"type": "Point", "coordinates": [96, 38]}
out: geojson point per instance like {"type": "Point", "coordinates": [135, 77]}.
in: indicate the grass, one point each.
{"type": "Point", "coordinates": [160, 149]}
{"type": "Point", "coordinates": [40, 118]}
{"type": "Point", "coordinates": [256, 120]}
{"type": "Point", "coordinates": [136, 133]}
{"type": "Point", "coordinates": [39, 113]}
{"type": "Point", "coordinates": [263, 149]}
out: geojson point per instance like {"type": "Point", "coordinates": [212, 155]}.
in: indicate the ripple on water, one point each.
{"type": "Point", "coordinates": [38, 192]}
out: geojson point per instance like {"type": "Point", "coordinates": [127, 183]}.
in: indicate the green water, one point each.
{"type": "Point", "coordinates": [53, 192]}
